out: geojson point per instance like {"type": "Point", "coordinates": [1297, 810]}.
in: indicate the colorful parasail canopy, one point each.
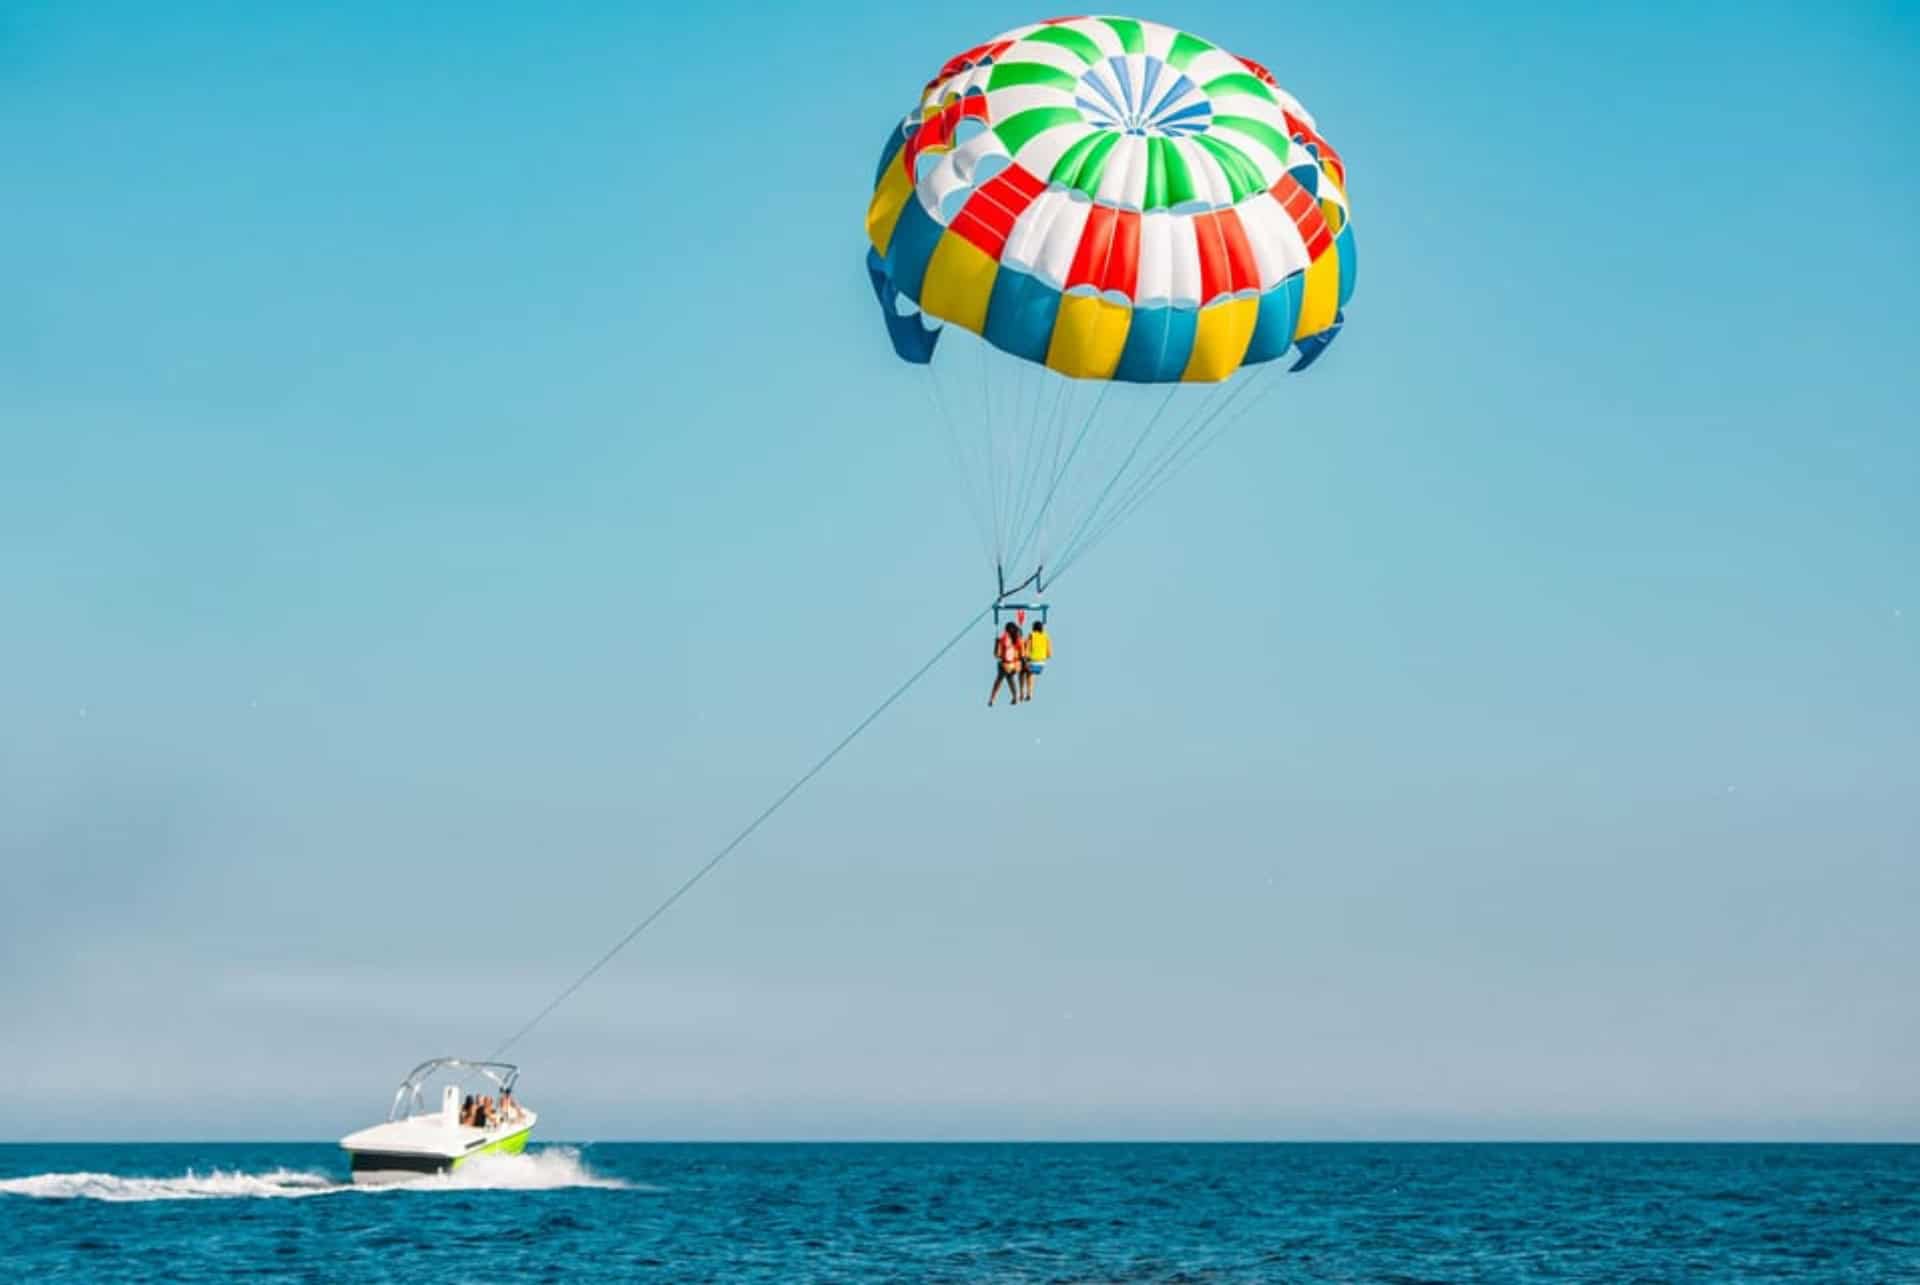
{"type": "Point", "coordinates": [1116, 200]}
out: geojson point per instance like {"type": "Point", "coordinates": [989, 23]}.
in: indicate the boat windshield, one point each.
{"type": "Point", "coordinates": [418, 1093]}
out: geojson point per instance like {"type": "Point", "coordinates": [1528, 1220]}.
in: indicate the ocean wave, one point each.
{"type": "Point", "coordinates": [548, 1169]}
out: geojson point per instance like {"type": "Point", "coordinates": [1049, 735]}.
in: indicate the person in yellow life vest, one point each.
{"type": "Point", "coordinates": [1037, 652]}
{"type": "Point", "coordinates": [1009, 654]}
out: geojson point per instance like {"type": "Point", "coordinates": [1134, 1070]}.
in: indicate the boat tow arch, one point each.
{"type": "Point", "coordinates": [406, 1099]}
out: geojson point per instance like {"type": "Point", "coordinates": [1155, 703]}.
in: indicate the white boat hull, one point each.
{"type": "Point", "coordinates": [405, 1150]}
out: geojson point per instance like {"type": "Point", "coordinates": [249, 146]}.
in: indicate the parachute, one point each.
{"type": "Point", "coordinates": [1130, 227]}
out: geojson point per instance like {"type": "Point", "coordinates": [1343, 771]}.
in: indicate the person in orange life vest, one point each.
{"type": "Point", "coordinates": [1036, 653]}
{"type": "Point", "coordinates": [1010, 660]}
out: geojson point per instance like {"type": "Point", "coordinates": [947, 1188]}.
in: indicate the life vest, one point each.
{"type": "Point", "coordinates": [1039, 647]}
{"type": "Point", "coordinates": [1009, 650]}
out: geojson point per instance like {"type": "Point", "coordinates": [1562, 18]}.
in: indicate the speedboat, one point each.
{"type": "Point", "coordinates": [415, 1140]}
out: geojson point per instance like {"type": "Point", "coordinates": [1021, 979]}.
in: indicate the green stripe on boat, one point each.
{"type": "Point", "coordinates": [511, 1145]}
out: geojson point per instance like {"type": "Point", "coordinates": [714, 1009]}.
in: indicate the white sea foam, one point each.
{"type": "Point", "coordinates": [549, 1168]}
{"type": "Point", "coordinates": [214, 1185]}
{"type": "Point", "coordinates": [546, 1169]}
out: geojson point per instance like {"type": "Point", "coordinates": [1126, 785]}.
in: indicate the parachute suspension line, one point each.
{"type": "Point", "coordinates": [1045, 442]}
{"type": "Point", "coordinates": [1046, 460]}
{"type": "Point", "coordinates": [1101, 517]}
{"type": "Point", "coordinates": [1040, 429]}
{"type": "Point", "coordinates": [1061, 391]}
{"type": "Point", "coordinates": [740, 838]}
{"type": "Point", "coordinates": [1014, 430]}
{"type": "Point", "coordinates": [1219, 397]}
{"type": "Point", "coordinates": [1149, 479]}
{"type": "Point", "coordinates": [1066, 465]}
{"type": "Point", "coordinates": [950, 433]}
{"type": "Point", "coordinates": [1204, 435]}
{"type": "Point", "coordinates": [1173, 460]}
{"type": "Point", "coordinates": [990, 453]}
{"type": "Point", "coordinates": [1093, 513]}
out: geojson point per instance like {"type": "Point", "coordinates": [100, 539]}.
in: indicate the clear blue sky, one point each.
{"type": "Point", "coordinates": [451, 476]}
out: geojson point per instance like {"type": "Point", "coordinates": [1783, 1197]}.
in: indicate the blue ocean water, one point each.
{"type": "Point", "coordinates": [964, 1212]}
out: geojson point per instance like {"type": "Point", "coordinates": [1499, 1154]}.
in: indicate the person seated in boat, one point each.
{"type": "Point", "coordinates": [509, 1109]}
{"type": "Point", "coordinates": [466, 1112]}
{"type": "Point", "coordinates": [1038, 651]}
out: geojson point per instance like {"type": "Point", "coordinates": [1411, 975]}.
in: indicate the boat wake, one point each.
{"type": "Point", "coordinates": [215, 1185]}
{"type": "Point", "coordinates": [548, 1169]}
